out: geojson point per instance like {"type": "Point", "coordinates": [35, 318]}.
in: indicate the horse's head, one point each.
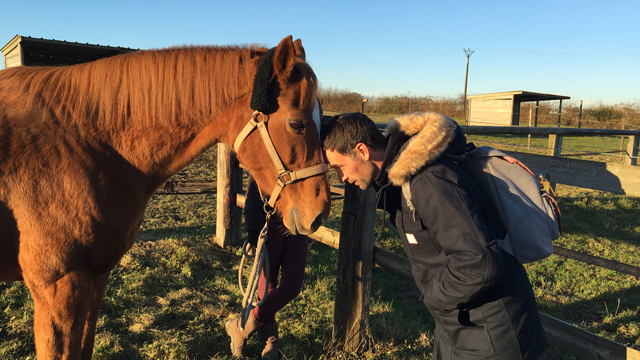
{"type": "Point", "coordinates": [284, 152]}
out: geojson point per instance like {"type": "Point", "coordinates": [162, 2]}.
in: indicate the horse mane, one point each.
{"type": "Point", "coordinates": [153, 87]}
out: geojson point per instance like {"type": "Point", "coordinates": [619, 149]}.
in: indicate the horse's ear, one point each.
{"type": "Point", "coordinates": [285, 57]}
{"type": "Point", "coordinates": [299, 49]}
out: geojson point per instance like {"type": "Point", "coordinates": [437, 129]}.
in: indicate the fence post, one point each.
{"type": "Point", "coordinates": [555, 145]}
{"type": "Point", "coordinates": [560, 114]}
{"type": "Point", "coordinates": [529, 137]}
{"type": "Point", "coordinates": [355, 262]}
{"type": "Point", "coordinates": [229, 182]}
{"type": "Point", "coordinates": [632, 150]}
{"type": "Point", "coordinates": [580, 116]}
{"type": "Point", "coordinates": [622, 137]}
{"type": "Point", "coordinates": [554, 148]}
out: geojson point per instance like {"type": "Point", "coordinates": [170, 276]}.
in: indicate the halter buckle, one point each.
{"type": "Point", "coordinates": [281, 177]}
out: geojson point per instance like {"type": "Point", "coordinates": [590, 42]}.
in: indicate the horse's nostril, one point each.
{"type": "Point", "coordinates": [317, 222]}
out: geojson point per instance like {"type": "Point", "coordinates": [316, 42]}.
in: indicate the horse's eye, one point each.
{"type": "Point", "coordinates": [297, 125]}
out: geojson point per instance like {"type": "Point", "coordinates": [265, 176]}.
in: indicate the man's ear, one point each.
{"type": "Point", "coordinates": [362, 151]}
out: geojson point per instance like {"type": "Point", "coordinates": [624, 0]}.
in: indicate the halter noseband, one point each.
{"type": "Point", "coordinates": [284, 177]}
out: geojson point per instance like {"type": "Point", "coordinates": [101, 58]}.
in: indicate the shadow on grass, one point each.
{"type": "Point", "coordinates": [178, 232]}
{"type": "Point", "coordinates": [406, 325]}
{"type": "Point", "coordinates": [169, 298]}
{"type": "Point", "coordinates": [615, 313]}
{"type": "Point", "coordinates": [589, 215]}
{"type": "Point", "coordinates": [24, 347]}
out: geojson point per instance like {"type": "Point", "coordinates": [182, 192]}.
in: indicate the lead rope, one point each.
{"type": "Point", "coordinates": [262, 259]}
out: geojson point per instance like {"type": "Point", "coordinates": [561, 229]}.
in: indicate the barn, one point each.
{"type": "Point", "coordinates": [503, 108]}
{"type": "Point", "coordinates": [28, 51]}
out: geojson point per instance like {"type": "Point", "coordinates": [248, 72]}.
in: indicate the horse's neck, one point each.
{"type": "Point", "coordinates": [161, 151]}
{"type": "Point", "coordinates": [185, 123]}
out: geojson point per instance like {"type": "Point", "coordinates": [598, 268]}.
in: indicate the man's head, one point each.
{"type": "Point", "coordinates": [354, 147]}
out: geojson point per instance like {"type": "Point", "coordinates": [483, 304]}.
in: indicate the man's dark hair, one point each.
{"type": "Point", "coordinates": [343, 132]}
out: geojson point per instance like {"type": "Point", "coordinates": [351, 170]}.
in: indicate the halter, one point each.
{"type": "Point", "coordinates": [285, 177]}
{"type": "Point", "coordinates": [260, 101]}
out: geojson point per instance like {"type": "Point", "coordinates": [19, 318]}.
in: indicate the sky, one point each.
{"type": "Point", "coordinates": [587, 50]}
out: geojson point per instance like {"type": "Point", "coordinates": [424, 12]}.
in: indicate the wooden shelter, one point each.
{"type": "Point", "coordinates": [503, 108]}
{"type": "Point", "coordinates": [28, 51]}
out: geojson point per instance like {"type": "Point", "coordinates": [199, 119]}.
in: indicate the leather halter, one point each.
{"type": "Point", "coordinates": [285, 177]}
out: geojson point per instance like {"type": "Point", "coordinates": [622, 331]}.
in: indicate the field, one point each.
{"type": "Point", "coordinates": [171, 294]}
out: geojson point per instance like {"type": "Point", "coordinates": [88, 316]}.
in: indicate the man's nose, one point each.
{"type": "Point", "coordinates": [342, 177]}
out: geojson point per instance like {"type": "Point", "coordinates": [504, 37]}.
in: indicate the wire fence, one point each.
{"type": "Point", "coordinates": [620, 154]}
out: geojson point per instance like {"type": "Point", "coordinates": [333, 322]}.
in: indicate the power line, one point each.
{"type": "Point", "coordinates": [560, 53]}
{"type": "Point", "coordinates": [413, 57]}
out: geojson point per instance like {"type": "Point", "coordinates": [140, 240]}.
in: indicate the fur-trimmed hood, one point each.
{"type": "Point", "coordinates": [425, 137]}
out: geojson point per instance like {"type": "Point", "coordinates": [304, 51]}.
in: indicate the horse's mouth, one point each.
{"type": "Point", "coordinates": [296, 227]}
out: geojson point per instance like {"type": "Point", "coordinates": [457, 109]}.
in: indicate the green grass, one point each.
{"type": "Point", "coordinates": [602, 148]}
{"type": "Point", "coordinates": [171, 294]}
{"type": "Point", "coordinates": [598, 300]}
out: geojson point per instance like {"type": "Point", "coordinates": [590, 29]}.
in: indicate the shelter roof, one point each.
{"type": "Point", "coordinates": [519, 96]}
{"type": "Point", "coordinates": [61, 50]}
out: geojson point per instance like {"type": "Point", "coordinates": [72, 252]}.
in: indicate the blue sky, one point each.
{"type": "Point", "coordinates": [587, 50]}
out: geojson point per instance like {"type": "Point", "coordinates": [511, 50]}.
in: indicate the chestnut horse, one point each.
{"type": "Point", "coordinates": [84, 147]}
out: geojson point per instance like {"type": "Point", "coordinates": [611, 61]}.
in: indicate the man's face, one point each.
{"type": "Point", "coordinates": [355, 169]}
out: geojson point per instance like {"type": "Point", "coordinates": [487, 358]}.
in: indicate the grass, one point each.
{"type": "Point", "coordinates": [603, 148]}
{"type": "Point", "coordinates": [598, 300]}
{"type": "Point", "coordinates": [171, 294]}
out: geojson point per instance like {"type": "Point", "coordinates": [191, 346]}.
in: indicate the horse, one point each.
{"type": "Point", "coordinates": [84, 147]}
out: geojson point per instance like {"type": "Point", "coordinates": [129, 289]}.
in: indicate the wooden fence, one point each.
{"type": "Point", "coordinates": [357, 256]}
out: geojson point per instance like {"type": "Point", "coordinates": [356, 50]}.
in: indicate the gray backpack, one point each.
{"type": "Point", "coordinates": [524, 202]}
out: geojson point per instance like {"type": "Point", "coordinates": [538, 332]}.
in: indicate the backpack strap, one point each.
{"type": "Point", "coordinates": [460, 159]}
{"type": "Point", "coordinates": [406, 192]}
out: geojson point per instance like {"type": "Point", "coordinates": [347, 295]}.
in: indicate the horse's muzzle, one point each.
{"type": "Point", "coordinates": [296, 227]}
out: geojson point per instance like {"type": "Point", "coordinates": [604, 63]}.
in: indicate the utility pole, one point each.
{"type": "Point", "coordinates": [467, 52]}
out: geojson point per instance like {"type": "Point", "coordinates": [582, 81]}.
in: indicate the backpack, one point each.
{"type": "Point", "coordinates": [524, 202]}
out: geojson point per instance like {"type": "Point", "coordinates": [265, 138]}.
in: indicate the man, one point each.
{"type": "Point", "coordinates": [479, 296]}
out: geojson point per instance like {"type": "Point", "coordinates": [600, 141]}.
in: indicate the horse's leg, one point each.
{"type": "Point", "coordinates": [60, 314]}
{"type": "Point", "coordinates": [99, 286]}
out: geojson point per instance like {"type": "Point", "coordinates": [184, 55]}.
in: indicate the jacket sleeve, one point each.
{"type": "Point", "coordinates": [472, 260]}
{"type": "Point", "coordinates": [254, 215]}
